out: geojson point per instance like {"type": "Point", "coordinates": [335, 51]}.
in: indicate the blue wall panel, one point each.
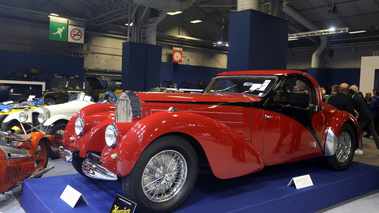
{"type": "Point", "coordinates": [328, 77]}
{"type": "Point", "coordinates": [179, 73]}
{"type": "Point", "coordinates": [140, 66]}
{"type": "Point", "coordinates": [257, 41]}
{"type": "Point", "coordinates": [49, 65]}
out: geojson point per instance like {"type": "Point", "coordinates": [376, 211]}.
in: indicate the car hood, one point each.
{"type": "Point", "coordinates": [205, 98]}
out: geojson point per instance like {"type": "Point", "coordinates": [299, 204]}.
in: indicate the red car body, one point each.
{"type": "Point", "coordinates": [261, 121]}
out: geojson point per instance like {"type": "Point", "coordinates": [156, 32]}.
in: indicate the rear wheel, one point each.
{"type": "Point", "coordinates": [57, 139]}
{"type": "Point", "coordinates": [163, 176]}
{"type": "Point", "coordinates": [344, 155]}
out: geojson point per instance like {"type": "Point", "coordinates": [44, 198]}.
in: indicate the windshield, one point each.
{"type": "Point", "coordinates": [251, 85]}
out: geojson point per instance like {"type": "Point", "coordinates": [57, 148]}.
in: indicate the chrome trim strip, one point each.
{"type": "Point", "coordinates": [94, 170]}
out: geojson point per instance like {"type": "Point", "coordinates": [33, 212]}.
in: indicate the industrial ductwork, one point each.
{"type": "Point", "coordinates": [165, 5]}
{"type": "Point", "coordinates": [151, 28]}
{"type": "Point", "coordinates": [315, 63]}
{"type": "Point", "coordinates": [247, 4]}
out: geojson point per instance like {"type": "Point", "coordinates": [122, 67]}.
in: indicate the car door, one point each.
{"type": "Point", "coordinates": [288, 131]}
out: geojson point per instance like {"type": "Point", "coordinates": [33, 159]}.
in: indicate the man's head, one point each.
{"type": "Point", "coordinates": [344, 87]}
{"type": "Point", "coordinates": [335, 88]}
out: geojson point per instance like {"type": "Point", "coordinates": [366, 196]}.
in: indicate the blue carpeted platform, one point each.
{"type": "Point", "coordinates": [265, 191]}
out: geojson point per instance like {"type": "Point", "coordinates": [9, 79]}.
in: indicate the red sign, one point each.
{"type": "Point", "coordinates": [177, 56]}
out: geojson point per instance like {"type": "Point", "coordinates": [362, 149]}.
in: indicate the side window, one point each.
{"type": "Point", "coordinates": [295, 93]}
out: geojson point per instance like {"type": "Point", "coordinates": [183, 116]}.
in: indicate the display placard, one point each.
{"type": "Point", "coordinates": [123, 204]}
{"type": "Point", "coordinates": [71, 196]}
{"type": "Point", "coordinates": [301, 181]}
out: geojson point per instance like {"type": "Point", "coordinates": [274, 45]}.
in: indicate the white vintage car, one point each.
{"type": "Point", "coordinates": [50, 120]}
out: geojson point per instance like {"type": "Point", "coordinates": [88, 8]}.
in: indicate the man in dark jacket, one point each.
{"type": "Point", "coordinates": [374, 107]}
{"type": "Point", "coordinates": [365, 118]}
{"type": "Point", "coordinates": [341, 101]}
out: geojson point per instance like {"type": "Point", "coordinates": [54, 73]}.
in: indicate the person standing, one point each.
{"type": "Point", "coordinates": [365, 119]}
{"type": "Point", "coordinates": [335, 90]}
{"type": "Point", "coordinates": [341, 101]}
{"type": "Point", "coordinates": [374, 107]}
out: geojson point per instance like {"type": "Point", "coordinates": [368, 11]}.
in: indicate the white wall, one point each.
{"type": "Point", "coordinates": [368, 66]}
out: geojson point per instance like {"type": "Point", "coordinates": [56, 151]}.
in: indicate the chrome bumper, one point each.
{"type": "Point", "coordinates": [65, 154]}
{"type": "Point", "coordinates": [94, 170]}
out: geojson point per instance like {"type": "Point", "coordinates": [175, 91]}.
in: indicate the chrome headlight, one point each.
{"type": "Point", "coordinates": [111, 135]}
{"type": "Point", "coordinates": [43, 116]}
{"type": "Point", "coordinates": [79, 126]}
{"type": "Point", "coordinates": [23, 116]}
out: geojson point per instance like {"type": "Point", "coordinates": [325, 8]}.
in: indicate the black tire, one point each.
{"type": "Point", "coordinates": [346, 145]}
{"type": "Point", "coordinates": [77, 164]}
{"type": "Point", "coordinates": [14, 123]}
{"type": "Point", "coordinates": [168, 194]}
{"type": "Point", "coordinates": [57, 132]}
{"type": "Point", "coordinates": [2, 117]}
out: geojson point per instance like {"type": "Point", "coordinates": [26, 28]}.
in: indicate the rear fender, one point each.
{"type": "Point", "coordinates": [332, 132]}
{"type": "Point", "coordinates": [228, 152]}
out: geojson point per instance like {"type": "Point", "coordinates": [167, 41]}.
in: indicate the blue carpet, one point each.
{"type": "Point", "coordinates": [265, 191]}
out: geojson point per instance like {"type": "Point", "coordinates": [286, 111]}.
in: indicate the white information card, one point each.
{"type": "Point", "coordinates": [301, 181]}
{"type": "Point", "coordinates": [71, 196]}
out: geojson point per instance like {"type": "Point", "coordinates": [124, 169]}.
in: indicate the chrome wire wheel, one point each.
{"type": "Point", "coordinates": [164, 176]}
{"type": "Point", "coordinates": [344, 144]}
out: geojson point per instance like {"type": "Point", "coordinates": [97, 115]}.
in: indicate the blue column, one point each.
{"type": "Point", "coordinates": [141, 66]}
{"type": "Point", "coordinates": [257, 41]}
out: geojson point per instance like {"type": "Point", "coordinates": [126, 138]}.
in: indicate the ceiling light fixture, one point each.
{"type": "Point", "coordinates": [196, 21]}
{"type": "Point", "coordinates": [221, 44]}
{"type": "Point", "coordinates": [54, 14]}
{"type": "Point", "coordinates": [174, 13]}
{"type": "Point", "coordinates": [359, 31]}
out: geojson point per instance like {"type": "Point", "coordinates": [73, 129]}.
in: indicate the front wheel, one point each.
{"type": "Point", "coordinates": [57, 133]}
{"type": "Point", "coordinates": [41, 156]}
{"type": "Point", "coordinates": [163, 176]}
{"type": "Point", "coordinates": [344, 155]}
{"type": "Point", "coordinates": [15, 126]}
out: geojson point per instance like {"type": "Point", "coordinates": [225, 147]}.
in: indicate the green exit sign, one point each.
{"type": "Point", "coordinates": [58, 31]}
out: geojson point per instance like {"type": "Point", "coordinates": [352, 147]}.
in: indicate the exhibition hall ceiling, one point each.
{"type": "Point", "coordinates": [111, 16]}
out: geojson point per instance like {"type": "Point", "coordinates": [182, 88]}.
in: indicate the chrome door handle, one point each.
{"type": "Point", "coordinates": [268, 116]}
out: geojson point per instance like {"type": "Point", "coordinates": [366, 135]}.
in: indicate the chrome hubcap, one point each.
{"type": "Point", "coordinates": [343, 147]}
{"type": "Point", "coordinates": [164, 176]}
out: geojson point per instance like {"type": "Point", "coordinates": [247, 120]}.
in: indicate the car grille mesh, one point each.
{"type": "Point", "coordinates": [127, 102]}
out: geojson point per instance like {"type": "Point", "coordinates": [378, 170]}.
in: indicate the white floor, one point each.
{"type": "Point", "coordinates": [10, 201]}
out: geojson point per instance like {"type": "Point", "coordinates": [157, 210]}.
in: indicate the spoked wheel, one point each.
{"type": "Point", "coordinates": [41, 156]}
{"type": "Point", "coordinates": [163, 176]}
{"type": "Point", "coordinates": [57, 134]}
{"type": "Point", "coordinates": [346, 144]}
